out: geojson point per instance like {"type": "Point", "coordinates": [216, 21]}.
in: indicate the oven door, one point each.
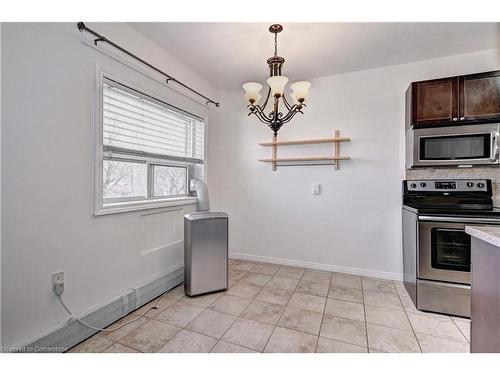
{"type": "Point", "coordinates": [444, 252]}
{"type": "Point", "coordinates": [444, 249]}
{"type": "Point", "coordinates": [457, 145]}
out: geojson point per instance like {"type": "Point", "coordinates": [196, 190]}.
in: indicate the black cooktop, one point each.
{"type": "Point", "coordinates": [451, 197]}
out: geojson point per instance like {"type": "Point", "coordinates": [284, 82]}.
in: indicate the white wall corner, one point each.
{"type": "Point", "coordinates": [498, 45]}
{"type": "Point", "coordinates": [1, 186]}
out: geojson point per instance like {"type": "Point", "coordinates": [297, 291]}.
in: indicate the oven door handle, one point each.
{"type": "Point", "coordinates": [478, 220]}
{"type": "Point", "coordinates": [496, 148]}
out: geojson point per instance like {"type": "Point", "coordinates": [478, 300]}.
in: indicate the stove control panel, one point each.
{"type": "Point", "coordinates": [447, 185]}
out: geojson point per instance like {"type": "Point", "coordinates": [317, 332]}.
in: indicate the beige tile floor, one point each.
{"type": "Point", "coordinates": [271, 308]}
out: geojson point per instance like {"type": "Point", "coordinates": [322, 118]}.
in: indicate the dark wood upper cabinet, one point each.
{"type": "Point", "coordinates": [453, 101]}
{"type": "Point", "coordinates": [435, 101]}
{"type": "Point", "coordinates": [480, 97]}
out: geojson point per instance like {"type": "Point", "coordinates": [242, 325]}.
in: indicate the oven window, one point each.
{"type": "Point", "coordinates": [455, 147]}
{"type": "Point", "coordinates": [450, 249]}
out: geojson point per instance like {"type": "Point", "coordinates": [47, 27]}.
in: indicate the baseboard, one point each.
{"type": "Point", "coordinates": [61, 337]}
{"type": "Point", "coordinates": [319, 266]}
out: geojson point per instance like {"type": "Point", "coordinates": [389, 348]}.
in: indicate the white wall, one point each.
{"type": "Point", "coordinates": [354, 225]}
{"type": "Point", "coordinates": [0, 183]}
{"type": "Point", "coordinates": [498, 45]}
{"type": "Point", "coordinates": [47, 177]}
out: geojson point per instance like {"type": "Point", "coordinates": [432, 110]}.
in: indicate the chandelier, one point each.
{"type": "Point", "coordinates": [300, 90]}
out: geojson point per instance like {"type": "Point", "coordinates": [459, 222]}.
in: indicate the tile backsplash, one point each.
{"type": "Point", "coordinates": [492, 173]}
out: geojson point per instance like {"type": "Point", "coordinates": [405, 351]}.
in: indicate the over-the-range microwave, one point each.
{"type": "Point", "coordinates": [453, 146]}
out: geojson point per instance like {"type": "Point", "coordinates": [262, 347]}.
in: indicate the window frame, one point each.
{"type": "Point", "coordinates": [104, 206]}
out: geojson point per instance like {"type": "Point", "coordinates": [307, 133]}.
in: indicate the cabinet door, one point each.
{"type": "Point", "coordinates": [435, 102]}
{"type": "Point", "coordinates": [480, 97]}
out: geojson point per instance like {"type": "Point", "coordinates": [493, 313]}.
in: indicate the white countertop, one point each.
{"type": "Point", "coordinates": [489, 234]}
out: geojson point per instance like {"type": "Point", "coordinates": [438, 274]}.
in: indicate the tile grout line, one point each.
{"type": "Point", "coordinates": [103, 334]}
{"type": "Point", "coordinates": [147, 320]}
{"type": "Point", "coordinates": [284, 308]}
{"type": "Point", "coordinates": [119, 343]}
{"type": "Point", "coordinates": [262, 287]}
{"type": "Point", "coordinates": [456, 325]}
{"type": "Point", "coordinates": [208, 308]}
{"type": "Point", "coordinates": [364, 314]}
{"type": "Point", "coordinates": [407, 317]}
{"type": "Point", "coordinates": [251, 300]}
{"type": "Point", "coordinates": [185, 327]}
{"type": "Point", "coordinates": [442, 337]}
{"type": "Point", "coordinates": [237, 316]}
{"type": "Point", "coordinates": [324, 311]}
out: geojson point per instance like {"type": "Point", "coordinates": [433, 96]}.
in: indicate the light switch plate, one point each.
{"type": "Point", "coordinates": [316, 189]}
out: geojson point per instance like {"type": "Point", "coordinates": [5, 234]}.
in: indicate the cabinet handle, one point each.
{"type": "Point", "coordinates": [462, 118]}
{"type": "Point", "coordinates": [455, 119]}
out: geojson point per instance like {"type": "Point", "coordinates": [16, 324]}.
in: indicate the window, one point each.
{"type": "Point", "coordinates": [169, 181]}
{"type": "Point", "coordinates": [123, 180]}
{"type": "Point", "coordinates": [150, 150]}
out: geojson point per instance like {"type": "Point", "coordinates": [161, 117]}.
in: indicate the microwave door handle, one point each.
{"type": "Point", "coordinates": [496, 147]}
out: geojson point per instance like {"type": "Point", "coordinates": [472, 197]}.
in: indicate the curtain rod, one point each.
{"type": "Point", "coordinates": [100, 38]}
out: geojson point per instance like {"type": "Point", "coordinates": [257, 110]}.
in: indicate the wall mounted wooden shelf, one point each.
{"type": "Point", "coordinates": [307, 160]}
{"type": "Point", "coordinates": [306, 141]}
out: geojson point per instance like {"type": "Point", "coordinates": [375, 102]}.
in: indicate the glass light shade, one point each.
{"type": "Point", "coordinates": [294, 98]}
{"type": "Point", "coordinates": [277, 84]}
{"type": "Point", "coordinates": [300, 89]}
{"type": "Point", "coordinates": [252, 91]}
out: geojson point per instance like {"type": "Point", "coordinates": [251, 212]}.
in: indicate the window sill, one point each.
{"type": "Point", "coordinates": [113, 208]}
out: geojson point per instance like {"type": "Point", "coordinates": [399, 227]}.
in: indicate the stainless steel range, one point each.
{"type": "Point", "coordinates": [436, 249]}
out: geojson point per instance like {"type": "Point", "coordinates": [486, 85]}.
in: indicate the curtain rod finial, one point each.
{"type": "Point", "coordinates": [81, 26]}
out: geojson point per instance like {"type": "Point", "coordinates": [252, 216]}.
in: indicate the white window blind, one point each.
{"type": "Point", "coordinates": [135, 122]}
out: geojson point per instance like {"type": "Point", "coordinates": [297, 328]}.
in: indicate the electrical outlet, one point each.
{"type": "Point", "coordinates": [58, 282]}
{"type": "Point", "coordinates": [316, 189]}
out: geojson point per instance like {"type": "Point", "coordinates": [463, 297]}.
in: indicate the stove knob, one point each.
{"type": "Point", "coordinates": [413, 185]}
{"type": "Point", "coordinates": [480, 185]}
{"type": "Point", "coordinates": [470, 184]}
{"type": "Point", "coordinates": [423, 184]}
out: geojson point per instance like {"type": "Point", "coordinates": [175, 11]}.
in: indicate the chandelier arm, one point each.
{"type": "Point", "coordinates": [288, 119]}
{"type": "Point", "coordinates": [298, 110]}
{"type": "Point", "coordinates": [261, 115]}
{"type": "Point", "coordinates": [288, 106]}
{"type": "Point", "coordinates": [290, 113]}
{"type": "Point", "coordinates": [267, 99]}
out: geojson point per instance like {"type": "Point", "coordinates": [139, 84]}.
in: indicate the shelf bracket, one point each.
{"type": "Point", "coordinates": [337, 150]}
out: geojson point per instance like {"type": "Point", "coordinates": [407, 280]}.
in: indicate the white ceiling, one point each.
{"type": "Point", "coordinates": [229, 54]}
